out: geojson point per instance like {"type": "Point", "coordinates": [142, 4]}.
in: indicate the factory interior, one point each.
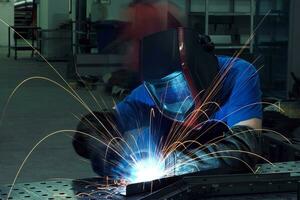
{"type": "Point", "coordinates": [63, 59]}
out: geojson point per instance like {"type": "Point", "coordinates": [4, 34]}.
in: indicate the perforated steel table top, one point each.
{"type": "Point", "coordinates": [284, 167]}
{"type": "Point", "coordinates": [94, 189]}
{"type": "Point", "coordinates": [61, 189]}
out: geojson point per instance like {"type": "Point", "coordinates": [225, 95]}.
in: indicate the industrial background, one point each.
{"type": "Point", "coordinates": [73, 36]}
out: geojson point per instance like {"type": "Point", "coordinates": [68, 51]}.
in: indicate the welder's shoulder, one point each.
{"type": "Point", "coordinates": [240, 66]}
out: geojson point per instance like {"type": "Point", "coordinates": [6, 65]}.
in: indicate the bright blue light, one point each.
{"type": "Point", "coordinates": [148, 169]}
{"type": "Point", "coordinates": [142, 159]}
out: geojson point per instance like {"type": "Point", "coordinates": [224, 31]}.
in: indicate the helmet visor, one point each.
{"type": "Point", "coordinates": [172, 96]}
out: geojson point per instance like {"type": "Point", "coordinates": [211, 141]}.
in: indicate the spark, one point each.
{"type": "Point", "coordinates": [45, 138]}
{"type": "Point", "coordinates": [60, 86]}
{"type": "Point", "coordinates": [190, 162]}
{"type": "Point", "coordinates": [146, 170]}
{"type": "Point", "coordinates": [152, 166]}
{"type": "Point", "coordinates": [108, 147]}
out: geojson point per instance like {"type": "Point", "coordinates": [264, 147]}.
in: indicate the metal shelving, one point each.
{"type": "Point", "coordinates": [271, 42]}
{"type": "Point", "coordinates": [231, 22]}
{"type": "Point", "coordinates": [203, 15]}
{"type": "Point", "coordinates": [32, 36]}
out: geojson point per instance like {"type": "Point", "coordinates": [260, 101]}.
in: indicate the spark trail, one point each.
{"type": "Point", "coordinates": [143, 159]}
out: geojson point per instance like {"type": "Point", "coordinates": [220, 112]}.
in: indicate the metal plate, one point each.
{"type": "Point", "coordinates": [57, 189]}
{"type": "Point", "coordinates": [284, 167]}
{"type": "Point", "coordinates": [93, 190]}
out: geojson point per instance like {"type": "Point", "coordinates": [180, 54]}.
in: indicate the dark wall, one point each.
{"type": "Point", "coordinates": [294, 42]}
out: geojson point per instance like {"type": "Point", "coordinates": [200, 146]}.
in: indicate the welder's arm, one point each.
{"type": "Point", "coordinates": [135, 110]}
{"type": "Point", "coordinates": [233, 151]}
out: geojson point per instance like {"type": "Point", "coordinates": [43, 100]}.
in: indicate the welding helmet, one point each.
{"type": "Point", "coordinates": [177, 67]}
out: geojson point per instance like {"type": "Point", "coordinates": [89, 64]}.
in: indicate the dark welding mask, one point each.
{"type": "Point", "coordinates": [177, 70]}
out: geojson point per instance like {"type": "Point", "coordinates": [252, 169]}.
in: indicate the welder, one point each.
{"type": "Point", "coordinates": [181, 74]}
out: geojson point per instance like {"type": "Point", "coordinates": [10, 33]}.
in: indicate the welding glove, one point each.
{"type": "Point", "coordinates": [89, 147]}
{"type": "Point", "coordinates": [233, 151]}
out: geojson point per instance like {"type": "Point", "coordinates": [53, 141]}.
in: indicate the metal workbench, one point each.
{"type": "Point", "coordinates": [279, 181]}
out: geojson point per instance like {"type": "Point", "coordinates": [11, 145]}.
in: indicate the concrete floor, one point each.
{"type": "Point", "coordinates": [37, 109]}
